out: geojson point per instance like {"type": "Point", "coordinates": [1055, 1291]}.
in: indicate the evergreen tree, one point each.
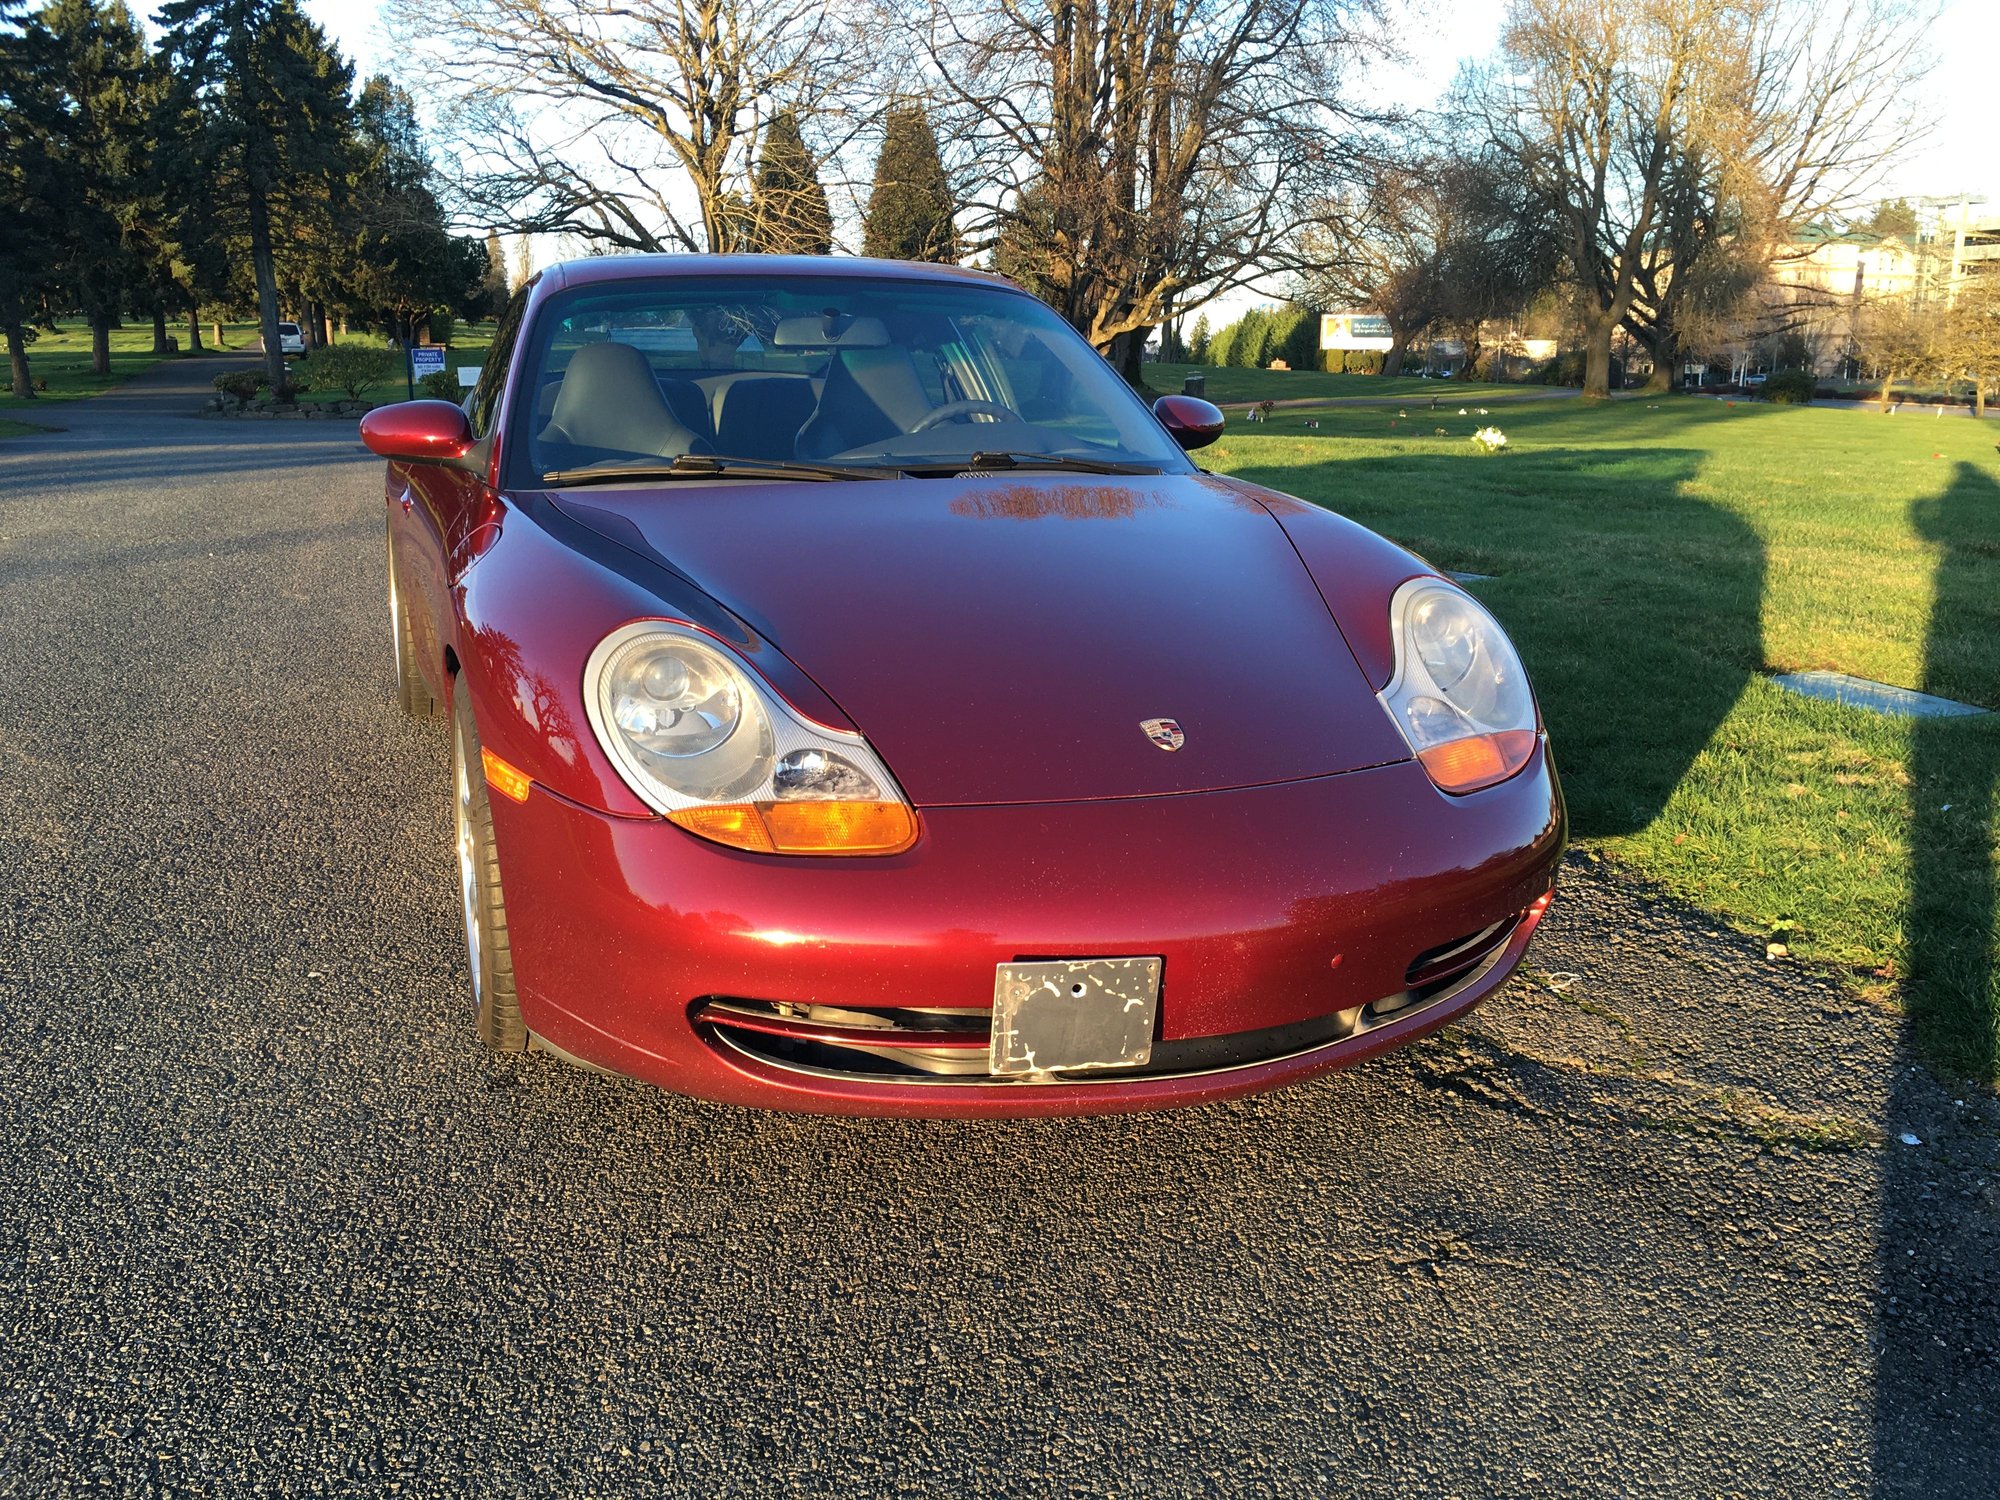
{"type": "Point", "coordinates": [404, 263]}
{"type": "Point", "coordinates": [273, 113]}
{"type": "Point", "coordinates": [102, 66]}
{"type": "Point", "coordinates": [1198, 341]}
{"type": "Point", "coordinates": [494, 290]}
{"type": "Point", "coordinates": [789, 209]}
{"type": "Point", "coordinates": [911, 210]}
{"type": "Point", "coordinates": [33, 124]}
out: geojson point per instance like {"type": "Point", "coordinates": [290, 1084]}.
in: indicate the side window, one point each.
{"type": "Point", "coordinates": [493, 373]}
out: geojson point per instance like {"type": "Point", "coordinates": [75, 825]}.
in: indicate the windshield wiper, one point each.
{"type": "Point", "coordinates": [709, 466]}
{"type": "Point", "coordinates": [1011, 460]}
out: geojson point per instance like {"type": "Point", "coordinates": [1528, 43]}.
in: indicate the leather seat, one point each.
{"type": "Point", "coordinates": [759, 415]}
{"type": "Point", "coordinates": [870, 395]}
{"type": "Point", "coordinates": [609, 406]}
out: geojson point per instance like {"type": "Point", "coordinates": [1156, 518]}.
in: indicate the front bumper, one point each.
{"type": "Point", "coordinates": [1274, 908]}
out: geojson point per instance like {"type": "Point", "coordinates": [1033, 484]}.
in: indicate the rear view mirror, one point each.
{"type": "Point", "coordinates": [434, 430]}
{"type": "Point", "coordinates": [830, 330]}
{"type": "Point", "coordinates": [1190, 421]}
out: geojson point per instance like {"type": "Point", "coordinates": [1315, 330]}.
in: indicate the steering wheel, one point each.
{"type": "Point", "coordinates": [951, 411]}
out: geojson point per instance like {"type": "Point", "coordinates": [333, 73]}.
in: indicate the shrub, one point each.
{"type": "Point", "coordinates": [1790, 388]}
{"type": "Point", "coordinates": [1566, 368]}
{"type": "Point", "coordinates": [344, 367]}
{"type": "Point", "coordinates": [441, 385]}
{"type": "Point", "coordinates": [1364, 361]}
{"type": "Point", "coordinates": [443, 326]}
{"type": "Point", "coordinates": [1298, 341]}
{"type": "Point", "coordinates": [242, 384]}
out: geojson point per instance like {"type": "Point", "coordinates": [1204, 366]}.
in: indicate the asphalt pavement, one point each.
{"type": "Point", "coordinates": [272, 1223]}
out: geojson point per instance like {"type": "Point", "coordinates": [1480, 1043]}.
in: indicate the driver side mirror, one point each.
{"type": "Point", "coordinates": [434, 430]}
{"type": "Point", "coordinates": [1190, 421]}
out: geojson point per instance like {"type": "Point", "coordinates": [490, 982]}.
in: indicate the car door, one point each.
{"type": "Point", "coordinates": [440, 509]}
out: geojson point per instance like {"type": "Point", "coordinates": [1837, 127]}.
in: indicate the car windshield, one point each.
{"type": "Point", "coordinates": [861, 371]}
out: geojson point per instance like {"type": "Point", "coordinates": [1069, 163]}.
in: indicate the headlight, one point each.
{"type": "Point", "coordinates": [700, 739]}
{"type": "Point", "coordinates": [1459, 694]}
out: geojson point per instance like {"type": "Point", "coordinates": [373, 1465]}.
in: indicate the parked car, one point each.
{"type": "Point", "coordinates": [1752, 381]}
{"type": "Point", "coordinates": [290, 339]}
{"type": "Point", "coordinates": [860, 703]}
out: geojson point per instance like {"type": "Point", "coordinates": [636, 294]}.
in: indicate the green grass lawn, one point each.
{"type": "Point", "coordinates": [1654, 561]}
{"type": "Point", "coordinates": [1229, 385]}
{"type": "Point", "coordinates": [62, 358]}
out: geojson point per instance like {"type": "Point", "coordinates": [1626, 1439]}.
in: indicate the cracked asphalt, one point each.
{"type": "Point", "coordinates": [271, 1222]}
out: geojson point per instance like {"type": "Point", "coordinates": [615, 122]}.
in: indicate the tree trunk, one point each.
{"type": "Point", "coordinates": [100, 344]}
{"type": "Point", "coordinates": [1124, 356]}
{"type": "Point", "coordinates": [1888, 389]}
{"type": "Point", "coordinates": [320, 329]}
{"type": "Point", "coordinates": [160, 329]}
{"type": "Point", "coordinates": [215, 332]}
{"type": "Point", "coordinates": [194, 330]}
{"type": "Point", "coordinates": [266, 275]}
{"type": "Point", "coordinates": [1399, 346]}
{"type": "Point", "coordinates": [1597, 358]}
{"type": "Point", "coordinates": [1665, 352]}
{"type": "Point", "coordinates": [17, 362]}
{"type": "Point", "coordinates": [1979, 398]}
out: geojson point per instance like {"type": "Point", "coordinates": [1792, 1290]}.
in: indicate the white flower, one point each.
{"type": "Point", "coordinates": [1491, 439]}
{"type": "Point", "coordinates": [1463, 412]}
{"type": "Point", "coordinates": [1482, 411]}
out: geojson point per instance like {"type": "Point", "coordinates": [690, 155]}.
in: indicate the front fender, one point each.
{"type": "Point", "coordinates": [530, 607]}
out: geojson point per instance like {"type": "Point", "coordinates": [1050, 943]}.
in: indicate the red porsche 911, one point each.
{"type": "Point", "coordinates": [861, 704]}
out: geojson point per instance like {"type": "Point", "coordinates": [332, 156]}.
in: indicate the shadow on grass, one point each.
{"type": "Point", "coordinates": [1636, 606]}
{"type": "Point", "coordinates": [1938, 1325]}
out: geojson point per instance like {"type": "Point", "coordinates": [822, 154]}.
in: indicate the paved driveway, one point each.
{"type": "Point", "coordinates": [270, 1221]}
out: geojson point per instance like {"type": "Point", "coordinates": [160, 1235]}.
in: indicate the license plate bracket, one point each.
{"type": "Point", "coordinates": [1073, 1014]}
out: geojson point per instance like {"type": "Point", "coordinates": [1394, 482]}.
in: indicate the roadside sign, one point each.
{"type": "Point", "coordinates": [425, 359]}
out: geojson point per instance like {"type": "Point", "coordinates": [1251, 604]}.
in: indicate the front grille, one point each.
{"type": "Point", "coordinates": [893, 1041]}
{"type": "Point", "coordinates": [1437, 967]}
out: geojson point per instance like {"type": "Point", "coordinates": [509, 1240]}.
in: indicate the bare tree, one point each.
{"type": "Point", "coordinates": [1972, 335]}
{"type": "Point", "coordinates": [631, 123]}
{"type": "Point", "coordinates": [1904, 339]}
{"type": "Point", "coordinates": [1439, 241]}
{"type": "Point", "coordinates": [1662, 133]}
{"type": "Point", "coordinates": [1130, 159]}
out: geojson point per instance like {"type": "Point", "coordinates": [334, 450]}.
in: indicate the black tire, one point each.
{"type": "Point", "coordinates": [413, 694]}
{"type": "Point", "coordinates": [489, 955]}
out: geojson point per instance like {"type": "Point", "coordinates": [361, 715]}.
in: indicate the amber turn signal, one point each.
{"type": "Point", "coordinates": [804, 827]}
{"type": "Point", "coordinates": [509, 781]}
{"type": "Point", "coordinates": [1480, 760]}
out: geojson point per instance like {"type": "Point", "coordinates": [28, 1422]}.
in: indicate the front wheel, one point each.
{"type": "Point", "coordinates": [496, 1006]}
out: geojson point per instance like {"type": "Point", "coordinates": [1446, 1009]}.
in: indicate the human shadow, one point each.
{"type": "Point", "coordinates": [1937, 1387]}
{"type": "Point", "coordinates": [1636, 605]}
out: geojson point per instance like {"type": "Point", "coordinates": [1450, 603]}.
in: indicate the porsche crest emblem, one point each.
{"type": "Point", "coordinates": [1166, 733]}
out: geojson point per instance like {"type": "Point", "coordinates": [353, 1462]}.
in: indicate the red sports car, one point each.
{"type": "Point", "coordinates": [861, 704]}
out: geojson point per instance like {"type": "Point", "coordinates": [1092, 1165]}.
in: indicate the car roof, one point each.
{"type": "Point", "coordinates": [599, 268]}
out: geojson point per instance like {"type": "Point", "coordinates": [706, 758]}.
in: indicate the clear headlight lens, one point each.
{"type": "Point", "coordinates": [700, 739]}
{"type": "Point", "coordinates": [1459, 694]}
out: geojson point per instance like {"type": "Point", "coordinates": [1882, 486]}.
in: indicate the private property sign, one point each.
{"type": "Point", "coordinates": [426, 359]}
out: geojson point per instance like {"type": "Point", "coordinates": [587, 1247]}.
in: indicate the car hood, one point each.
{"type": "Point", "coordinates": [1005, 638]}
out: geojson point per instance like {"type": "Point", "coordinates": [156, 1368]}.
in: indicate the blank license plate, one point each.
{"type": "Point", "coordinates": [1073, 1014]}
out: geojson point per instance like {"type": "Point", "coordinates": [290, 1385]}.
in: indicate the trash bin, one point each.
{"type": "Point", "coordinates": [1195, 385]}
